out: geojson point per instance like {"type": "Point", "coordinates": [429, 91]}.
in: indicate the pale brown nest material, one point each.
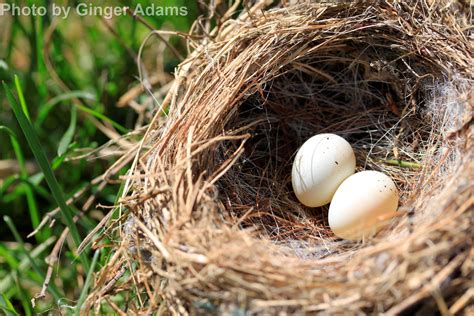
{"type": "Point", "coordinates": [210, 204]}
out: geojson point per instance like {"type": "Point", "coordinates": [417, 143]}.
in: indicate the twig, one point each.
{"type": "Point", "coordinates": [151, 28]}
{"type": "Point", "coordinates": [403, 164]}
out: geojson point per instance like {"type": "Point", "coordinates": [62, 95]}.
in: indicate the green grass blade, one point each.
{"type": "Point", "coordinates": [30, 196]}
{"type": "Point", "coordinates": [7, 182]}
{"type": "Point", "coordinates": [87, 283]}
{"type": "Point", "coordinates": [6, 306]}
{"type": "Point", "coordinates": [45, 109]}
{"type": "Point", "coordinates": [103, 118]}
{"type": "Point", "coordinates": [69, 134]}
{"type": "Point", "coordinates": [11, 180]}
{"type": "Point", "coordinates": [52, 288]}
{"type": "Point", "coordinates": [23, 297]}
{"type": "Point", "coordinates": [21, 97]}
{"type": "Point", "coordinates": [40, 156]}
{"type": "Point", "coordinates": [37, 23]}
{"type": "Point", "coordinates": [9, 258]}
{"type": "Point", "coordinates": [23, 266]}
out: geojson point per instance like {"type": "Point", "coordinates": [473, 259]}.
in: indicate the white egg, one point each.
{"type": "Point", "coordinates": [362, 204]}
{"type": "Point", "coordinates": [320, 166]}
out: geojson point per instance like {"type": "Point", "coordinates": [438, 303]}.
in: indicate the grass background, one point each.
{"type": "Point", "coordinates": [69, 76]}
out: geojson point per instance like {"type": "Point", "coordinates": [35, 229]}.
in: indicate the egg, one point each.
{"type": "Point", "coordinates": [320, 166]}
{"type": "Point", "coordinates": [362, 204]}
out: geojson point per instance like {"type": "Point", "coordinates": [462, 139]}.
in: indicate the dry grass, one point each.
{"type": "Point", "coordinates": [210, 222]}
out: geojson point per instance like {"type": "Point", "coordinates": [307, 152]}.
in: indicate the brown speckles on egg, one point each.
{"type": "Point", "coordinates": [316, 175]}
{"type": "Point", "coordinates": [361, 205]}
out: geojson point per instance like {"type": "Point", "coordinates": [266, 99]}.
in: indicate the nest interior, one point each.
{"type": "Point", "coordinates": [214, 225]}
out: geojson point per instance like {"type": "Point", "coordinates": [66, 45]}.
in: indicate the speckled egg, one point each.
{"type": "Point", "coordinates": [362, 204]}
{"type": "Point", "coordinates": [320, 166]}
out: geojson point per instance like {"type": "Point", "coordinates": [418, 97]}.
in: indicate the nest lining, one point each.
{"type": "Point", "coordinates": [213, 207]}
{"type": "Point", "coordinates": [296, 105]}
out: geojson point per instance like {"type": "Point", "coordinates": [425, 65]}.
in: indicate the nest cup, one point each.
{"type": "Point", "coordinates": [213, 225]}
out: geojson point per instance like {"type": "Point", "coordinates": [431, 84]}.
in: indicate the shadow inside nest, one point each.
{"type": "Point", "coordinates": [368, 96]}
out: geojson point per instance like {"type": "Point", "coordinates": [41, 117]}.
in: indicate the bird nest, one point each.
{"type": "Point", "coordinates": [210, 223]}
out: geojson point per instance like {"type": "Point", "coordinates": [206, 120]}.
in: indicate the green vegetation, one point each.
{"type": "Point", "coordinates": [61, 82]}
